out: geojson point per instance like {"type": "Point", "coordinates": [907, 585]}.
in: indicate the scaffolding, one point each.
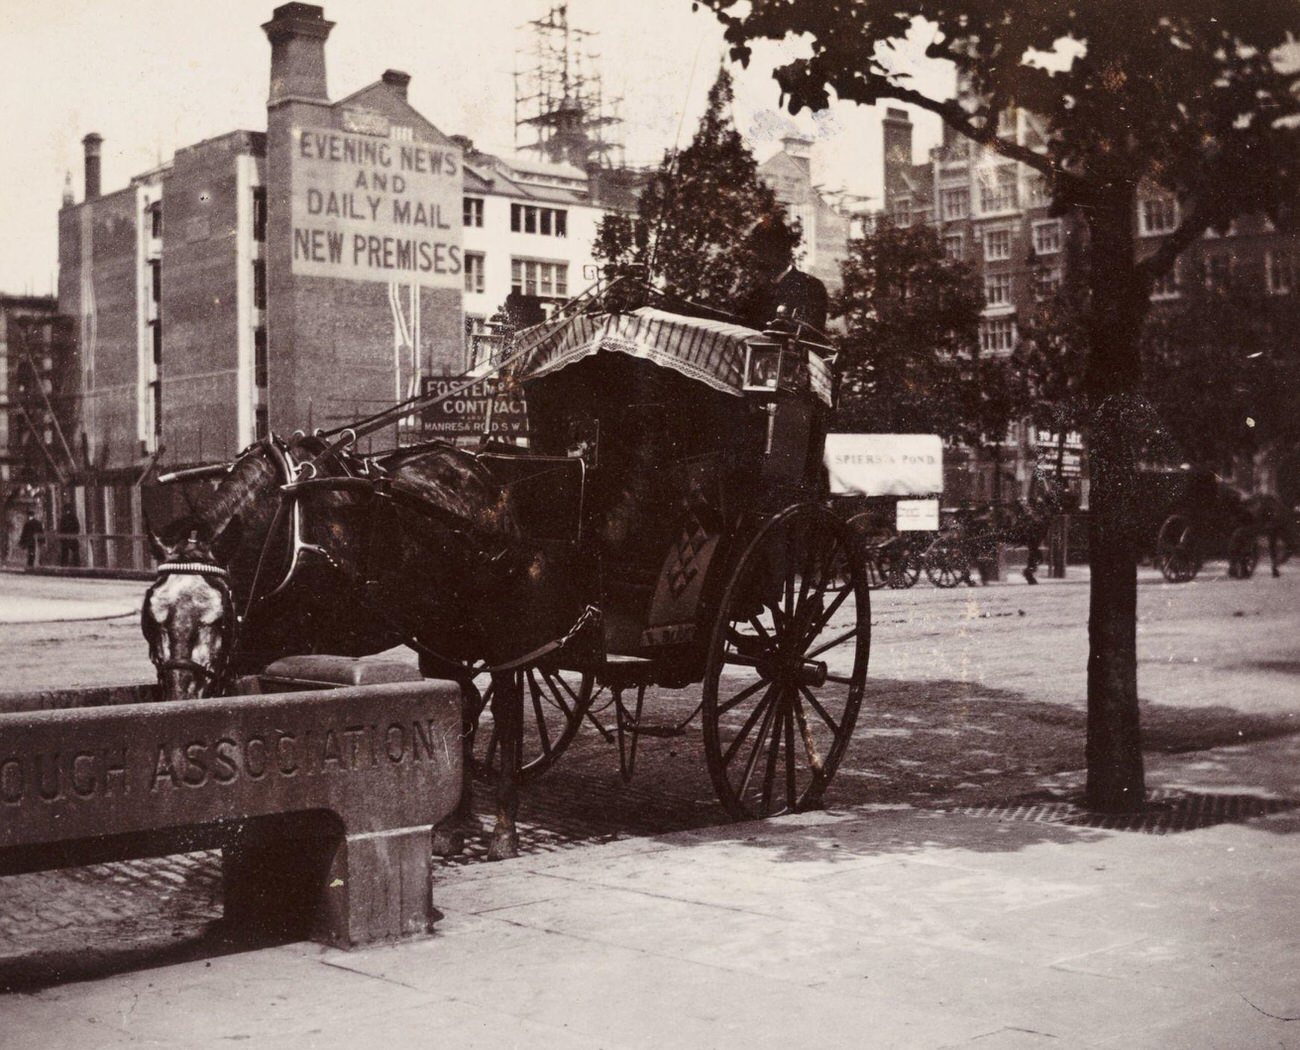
{"type": "Point", "coordinates": [560, 102]}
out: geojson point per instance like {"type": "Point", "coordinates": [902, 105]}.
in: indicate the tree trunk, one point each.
{"type": "Point", "coordinates": [1118, 304]}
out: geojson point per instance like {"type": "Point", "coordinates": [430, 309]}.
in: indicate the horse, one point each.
{"type": "Point", "coordinates": [419, 547]}
{"type": "Point", "coordinates": [1269, 517]}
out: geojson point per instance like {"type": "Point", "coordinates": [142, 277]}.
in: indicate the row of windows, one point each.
{"type": "Point", "coordinates": [998, 286]}
{"type": "Point", "coordinates": [549, 222]}
{"type": "Point", "coordinates": [1279, 274]}
{"type": "Point", "coordinates": [527, 276]}
{"type": "Point", "coordinates": [1047, 237]}
{"type": "Point", "coordinates": [544, 279]}
{"type": "Point", "coordinates": [155, 214]}
{"type": "Point", "coordinates": [524, 218]}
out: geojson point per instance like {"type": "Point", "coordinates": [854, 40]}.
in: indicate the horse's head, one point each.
{"type": "Point", "coordinates": [188, 616]}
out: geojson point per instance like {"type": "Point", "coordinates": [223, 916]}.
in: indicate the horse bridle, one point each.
{"type": "Point", "coordinates": [216, 674]}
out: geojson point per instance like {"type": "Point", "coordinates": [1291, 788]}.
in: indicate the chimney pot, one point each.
{"type": "Point", "coordinates": [397, 80]}
{"type": "Point", "coordinates": [298, 33]}
{"type": "Point", "coordinates": [91, 143]}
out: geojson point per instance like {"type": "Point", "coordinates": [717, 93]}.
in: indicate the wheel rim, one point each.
{"type": "Point", "coordinates": [946, 567]}
{"type": "Point", "coordinates": [782, 686]}
{"type": "Point", "coordinates": [1176, 550]}
{"type": "Point", "coordinates": [555, 702]}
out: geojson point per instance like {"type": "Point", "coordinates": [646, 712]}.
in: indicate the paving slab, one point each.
{"type": "Point", "coordinates": [885, 927]}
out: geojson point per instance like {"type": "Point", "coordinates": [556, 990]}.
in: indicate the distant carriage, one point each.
{"type": "Point", "coordinates": [1190, 516]}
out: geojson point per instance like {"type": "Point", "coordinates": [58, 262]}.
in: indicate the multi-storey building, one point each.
{"type": "Point", "coordinates": [825, 228]}
{"type": "Point", "coordinates": [995, 214]}
{"type": "Point", "coordinates": [530, 226]}
{"type": "Point", "coordinates": [37, 413]}
{"type": "Point", "coordinates": [301, 275]}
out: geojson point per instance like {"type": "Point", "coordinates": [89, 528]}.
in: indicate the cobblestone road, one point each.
{"type": "Point", "coordinates": [975, 697]}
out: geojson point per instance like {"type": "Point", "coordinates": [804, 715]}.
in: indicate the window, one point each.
{"type": "Point", "coordinates": [1047, 282]}
{"type": "Point", "coordinates": [1218, 269]}
{"type": "Point", "coordinates": [259, 213]}
{"type": "Point", "coordinates": [155, 219]}
{"type": "Point", "coordinates": [954, 203]}
{"type": "Point", "coordinates": [954, 245]}
{"type": "Point", "coordinates": [259, 355]}
{"type": "Point", "coordinates": [997, 245]}
{"type": "Point", "coordinates": [543, 279]}
{"type": "Point", "coordinates": [1166, 285]}
{"type": "Point", "coordinates": [259, 284]}
{"type": "Point", "coordinates": [263, 421]}
{"type": "Point", "coordinates": [998, 335]}
{"type": "Point", "coordinates": [1279, 266]}
{"type": "Point", "coordinates": [155, 280]}
{"type": "Point", "coordinates": [902, 212]}
{"type": "Point", "coordinates": [1040, 191]}
{"type": "Point", "coordinates": [997, 289]}
{"type": "Point", "coordinates": [550, 222]}
{"type": "Point", "coordinates": [1047, 237]}
{"type": "Point", "coordinates": [474, 271]}
{"type": "Point", "coordinates": [998, 190]}
{"type": "Point", "coordinates": [1157, 215]}
{"type": "Point", "coordinates": [472, 211]}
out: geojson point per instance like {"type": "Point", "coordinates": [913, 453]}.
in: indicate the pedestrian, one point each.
{"type": "Point", "coordinates": [31, 535]}
{"type": "Point", "coordinates": [69, 546]}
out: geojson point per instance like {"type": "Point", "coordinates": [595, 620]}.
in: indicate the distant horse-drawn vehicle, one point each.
{"type": "Point", "coordinates": [1191, 516]}
{"type": "Point", "coordinates": [666, 527]}
{"type": "Point", "coordinates": [886, 487]}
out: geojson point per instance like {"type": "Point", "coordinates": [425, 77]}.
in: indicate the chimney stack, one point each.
{"type": "Point", "coordinates": [397, 80]}
{"type": "Point", "coordinates": [297, 33]}
{"type": "Point", "coordinates": [91, 143]}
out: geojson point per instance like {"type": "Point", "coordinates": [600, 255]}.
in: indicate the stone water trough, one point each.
{"type": "Point", "coordinates": [321, 794]}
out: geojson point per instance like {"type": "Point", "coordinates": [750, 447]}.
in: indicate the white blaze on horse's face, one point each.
{"type": "Point", "coordinates": [188, 612]}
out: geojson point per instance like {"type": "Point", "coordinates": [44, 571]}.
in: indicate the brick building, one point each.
{"type": "Point", "coordinates": [38, 424]}
{"type": "Point", "coordinates": [825, 228]}
{"type": "Point", "coordinates": [995, 214]}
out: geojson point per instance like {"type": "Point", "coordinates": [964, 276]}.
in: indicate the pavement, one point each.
{"type": "Point", "coordinates": [985, 914]}
{"type": "Point", "coordinates": [880, 927]}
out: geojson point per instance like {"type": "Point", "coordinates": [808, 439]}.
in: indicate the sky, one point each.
{"type": "Point", "coordinates": [152, 76]}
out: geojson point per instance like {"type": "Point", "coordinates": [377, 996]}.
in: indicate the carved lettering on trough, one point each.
{"type": "Point", "coordinates": [198, 762]}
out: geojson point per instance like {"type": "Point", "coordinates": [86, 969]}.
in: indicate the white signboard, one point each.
{"type": "Point", "coordinates": [917, 515]}
{"type": "Point", "coordinates": [367, 208]}
{"type": "Point", "coordinates": [885, 464]}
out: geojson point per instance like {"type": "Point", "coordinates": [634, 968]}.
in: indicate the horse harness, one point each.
{"type": "Point", "coordinates": [217, 577]}
{"type": "Point", "coordinates": [365, 476]}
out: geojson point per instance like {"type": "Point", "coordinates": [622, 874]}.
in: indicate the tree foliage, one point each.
{"type": "Point", "coordinates": [1221, 366]}
{"type": "Point", "coordinates": [1200, 98]}
{"type": "Point", "coordinates": [910, 357]}
{"type": "Point", "coordinates": [707, 231]}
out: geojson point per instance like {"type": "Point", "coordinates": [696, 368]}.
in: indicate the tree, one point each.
{"type": "Point", "coordinates": [707, 231]}
{"type": "Point", "coordinates": [910, 357]}
{"type": "Point", "coordinates": [1195, 97]}
{"type": "Point", "coordinates": [1221, 366]}
{"type": "Point", "coordinates": [1048, 363]}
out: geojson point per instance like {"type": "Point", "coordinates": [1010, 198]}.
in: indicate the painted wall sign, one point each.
{"type": "Point", "coordinates": [885, 464]}
{"type": "Point", "coordinates": [491, 402]}
{"type": "Point", "coordinates": [367, 208]}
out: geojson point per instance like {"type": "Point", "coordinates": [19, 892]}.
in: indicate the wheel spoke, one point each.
{"type": "Point", "coordinates": [773, 753]}
{"type": "Point", "coordinates": [839, 639]}
{"type": "Point", "coordinates": [552, 680]}
{"type": "Point", "coordinates": [826, 615]}
{"type": "Point", "coordinates": [536, 695]}
{"type": "Point", "coordinates": [758, 746]}
{"type": "Point", "coordinates": [742, 696]}
{"type": "Point", "coordinates": [762, 706]}
{"type": "Point", "coordinates": [762, 631]}
{"type": "Point", "coordinates": [791, 783]}
{"type": "Point", "coordinates": [809, 744]}
{"type": "Point", "coordinates": [819, 709]}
